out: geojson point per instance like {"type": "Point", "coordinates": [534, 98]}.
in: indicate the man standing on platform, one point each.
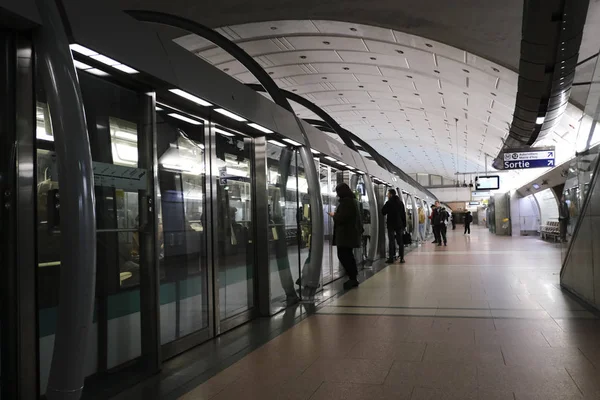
{"type": "Point", "coordinates": [396, 222]}
{"type": "Point", "coordinates": [434, 227]}
{"type": "Point", "coordinates": [468, 221]}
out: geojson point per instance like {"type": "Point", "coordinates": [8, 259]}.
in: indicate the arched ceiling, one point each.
{"type": "Point", "coordinates": [488, 28]}
{"type": "Point", "coordinates": [426, 106]}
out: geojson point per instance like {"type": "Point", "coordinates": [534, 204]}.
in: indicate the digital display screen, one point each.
{"type": "Point", "coordinates": [488, 182]}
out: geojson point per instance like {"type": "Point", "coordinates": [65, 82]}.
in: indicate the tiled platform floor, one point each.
{"type": "Point", "coordinates": [483, 318]}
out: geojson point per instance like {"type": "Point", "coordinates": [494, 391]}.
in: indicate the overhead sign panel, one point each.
{"type": "Point", "coordinates": [487, 182]}
{"type": "Point", "coordinates": [530, 158]}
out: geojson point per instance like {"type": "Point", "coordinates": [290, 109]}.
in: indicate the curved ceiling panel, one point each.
{"type": "Point", "coordinates": [489, 28]}
{"type": "Point", "coordinates": [426, 106]}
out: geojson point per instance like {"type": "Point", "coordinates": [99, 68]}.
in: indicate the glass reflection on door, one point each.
{"type": "Point", "coordinates": [182, 227]}
{"type": "Point", "coordinates": [234, 243]}
{"type": "Point", "coordinates": [113, 115]}
{"type": "Point", "coordinates": [328, 200]}
{"type": "Point", "coordinates": [285, 216]}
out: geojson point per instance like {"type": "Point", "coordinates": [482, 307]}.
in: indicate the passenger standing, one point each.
{"type": "Point", "coordinates": [564, 217]}
{"type": "Point", "coordinates": [453, 217]}
{"type": "Point", "coordinates": [439, 219]}
{"type": "Point", "coordinates": [468, 221]}
{"type": "Point", "coordinates": [444, 226]}
{"type": "Point", "coordinates": [347, 232]}
{"type": "Point", "coordinates": [422, 220]}
{"type": "Point", "coordinates": [396, 222]}
{"type": "Point", "coordinates": [434, 226]}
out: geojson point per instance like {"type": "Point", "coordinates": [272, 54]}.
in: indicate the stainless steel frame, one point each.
{"type": "Point", "coordinates": [148, 231]}
{"type": "Point", "coordinates": [18, 219]}
{"type": "Point", "coordinates": [261, 227]}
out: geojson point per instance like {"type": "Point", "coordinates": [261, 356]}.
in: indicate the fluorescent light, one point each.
{"type": "Point", "coordinates": [125, 68]}
{"type": "Point", "coordinates": [185, 119]}
{"type": "Point", "coordinates": [315, 151]}
{"type": "Point", "coordinates": [276, 143]}
{"type": "Point", "coordinates": [292, 142]}
{"type": "Point", "coordinates": [330, 158]}
{"type": "Point", "coordinates": [80, 65]}
{"type": "Point", "coordinates": [340, 163]}
{"type": "Point", "coordinates": [350, 167]}
{"type": "Point", "coordinates": [82, 50]}
{"type": "Point", "coordinates": [158, 108]}
{"type": "Point", "coordinates": [540, 120]}
{"type": "Point", "coordinates": [224, 133]}
{"type": "Point", "coordinates": [126, 136]}
{"type": "Point", "coordinates": [260, 128]}
{"type": "Point", "coordinates": [230, 114]}
{"type": "Point", "coordinates": [358, 171]}
{"type": "Point", "coordinates": [97, 72]}
{"type": "Point", "coordinates": [105, 60]}
{"type": "Point", "coordinates": [190, 97]}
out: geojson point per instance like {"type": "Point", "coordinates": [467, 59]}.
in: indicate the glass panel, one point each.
{"type": "Point", "coordinates": [357, 183]}
{"type": "Point", "coordinates": [285, 237]}
{"type": "Point", "coordinates": [181, 207]}
{"type": "Point", "coordinates": [336, 178]}
{"type": "Point", "coordinates": [234, 244]}
{"type": "Point", "coordinates": [423, 179]}
{"type": "Point", "coordinates": [328, 204]}
{"type": "Point", "coordinates": [436, 180]}
{"type": "Point", "coordinates": [113, 115]}
{"type": "Point", "coordinates": [408, 205]}
{"type": "Point", "coordinates": [304, 213]}
{"type": "Point", "coordinates": [421, 220]}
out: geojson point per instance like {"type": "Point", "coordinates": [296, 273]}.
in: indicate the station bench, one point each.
{"type": "Point", "coordinates": [550, 231]}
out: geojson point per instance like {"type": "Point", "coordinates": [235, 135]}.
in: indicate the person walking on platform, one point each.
{"type": "Point", "coordinates": [468, 221]}
{"type": "Point", "coordinates": [347, 232]}
{"type": "Point", "coordinates": [422, 220]}
{"type": "Point", "coordinates": [396, 223]}
{"type": "Point", "coordinates": [453, 219]}
{"type": "Point", "coordinates": [445, 217]}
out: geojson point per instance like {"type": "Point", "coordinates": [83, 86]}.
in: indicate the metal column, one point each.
{"type": "Point", "coordinates": [78, 236]}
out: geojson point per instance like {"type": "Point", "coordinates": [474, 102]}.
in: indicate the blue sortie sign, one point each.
{"type": "Point", "coordinates": [531, 158]}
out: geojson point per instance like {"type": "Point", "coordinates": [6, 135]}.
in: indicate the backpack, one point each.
{"type": "Point", "coordinates": [406, 238]}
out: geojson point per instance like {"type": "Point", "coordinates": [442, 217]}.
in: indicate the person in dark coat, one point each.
{"type": "Point", "coordinates": [439, 218]}
{"type": "Point", "coordinates": [434, 226]}
{"type": "Point", "coordinates": [347, 232]}
{"type": "Point", "coordinates": [468, 221]}
{"type": "Point", "coordinates": [394, 210]}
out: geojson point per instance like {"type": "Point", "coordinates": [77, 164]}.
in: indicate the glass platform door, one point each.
{"type": "Point", "coordinates": [232, 170]}
{"type": "Point", "coordinates": [124, 334]}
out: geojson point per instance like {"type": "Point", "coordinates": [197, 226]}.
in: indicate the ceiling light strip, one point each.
{"type": "Point", "coordinates": [101, 58]}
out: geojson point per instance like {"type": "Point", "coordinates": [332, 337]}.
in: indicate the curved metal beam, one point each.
{"type": "Point", "coordinates": [313, 275]}
{"type": "Point", "coordinates": [347, 137]}
{"type": "Point", "coordinates": [78, 215]}
{"type": "Point", "coordinates": [221, 41]}
{"type": "Point", "coordinates": [345, 134]}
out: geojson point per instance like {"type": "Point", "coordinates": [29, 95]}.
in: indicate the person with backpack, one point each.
{"type": "Point", "coordinates": [347, 232]}
{"type": "Point", "coordinates": [468, 221]}
{"type": "Point", "coordinates": [394, 210]}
